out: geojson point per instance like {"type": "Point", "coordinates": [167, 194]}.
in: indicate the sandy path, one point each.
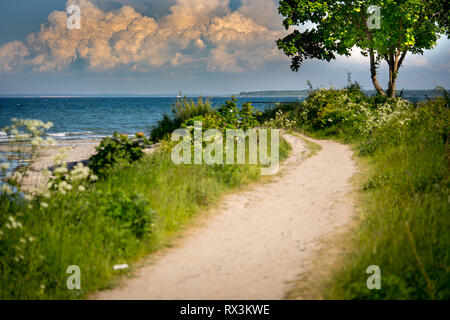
{"type": "Point", "coordinates": [259, 239]}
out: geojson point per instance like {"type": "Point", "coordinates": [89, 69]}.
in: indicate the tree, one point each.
{"type": "Point", "coordinates": [383, 29]}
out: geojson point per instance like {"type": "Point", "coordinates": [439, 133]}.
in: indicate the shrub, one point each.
{"type": "Point", "coordinates": [132, 210]}
{"type": "Point", "coordinates": [227, 116]}
{"type": "Point", "coordinates": [118, 148]}
{"type": "Point", "coordinates": [346, 113]}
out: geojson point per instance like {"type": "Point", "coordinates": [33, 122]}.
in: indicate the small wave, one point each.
{"type": "Point", "coordinates": [61, 134]}
{"type": "Point", "coordinates": [68, 134]}
{"type": "Point", "coordinates": [76, 135]}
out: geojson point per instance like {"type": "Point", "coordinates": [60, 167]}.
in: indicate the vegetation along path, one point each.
{"type": "Point", "coordinates": [260, 238]}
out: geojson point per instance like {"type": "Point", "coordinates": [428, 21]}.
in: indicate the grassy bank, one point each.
{"type": "Point", "coordinates": [138, 205]}
{"type": "Point", "coordinates": [404, 220]}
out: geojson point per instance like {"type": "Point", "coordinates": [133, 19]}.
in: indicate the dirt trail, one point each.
{"type": "Point", "coordinates": [260, 239]}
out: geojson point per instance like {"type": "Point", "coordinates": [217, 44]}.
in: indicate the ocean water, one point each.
{"type": "Point", "coordinates": [94, 118]}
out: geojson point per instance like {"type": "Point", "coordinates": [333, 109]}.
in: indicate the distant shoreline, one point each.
{"type": "Point", "coordinates": [243, 94]}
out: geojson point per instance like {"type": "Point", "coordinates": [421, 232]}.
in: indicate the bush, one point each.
{"type": "Point", "coordinates": [118, 148]}
{"type": "Point", "coordinates": [228, 116]}
{"type": "Point", "coordinates": [347, 114]}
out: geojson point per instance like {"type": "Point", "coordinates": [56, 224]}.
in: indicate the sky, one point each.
{"type": "Point", "coordinates": [164, 46]}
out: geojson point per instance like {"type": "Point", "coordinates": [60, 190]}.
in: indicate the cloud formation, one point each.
{"type": "Point", "coordinates": [203, 33]}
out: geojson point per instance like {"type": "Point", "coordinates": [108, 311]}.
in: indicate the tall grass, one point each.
{"type": "Point", "coordinates": [185, 108]}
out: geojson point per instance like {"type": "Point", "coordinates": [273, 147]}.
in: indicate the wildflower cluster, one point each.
{"type": "Point", "coordinates": [64, 180]}
{"type": "Point", "coordinates": [25, 141]}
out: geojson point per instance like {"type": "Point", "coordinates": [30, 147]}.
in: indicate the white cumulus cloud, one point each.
{"type": "Point", "coordinates": [193, 32]}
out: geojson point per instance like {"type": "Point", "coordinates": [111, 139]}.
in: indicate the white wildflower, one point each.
{"type": "Point", "coordinates": [14, 223]}
{"type": "Point", "coordinates": [6, 189]}
{"type": "Point", "coordinates": [48, 125]}
{"type": "Point", "coordinates": [80, 172]}
{"type": "Point", "coordinates": [61, 170]}
{"type": "Point", "coordinates": [44, 205]}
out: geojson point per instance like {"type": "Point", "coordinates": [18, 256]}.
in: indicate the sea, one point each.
{"type": "Point", "coordinates": [86, 118]}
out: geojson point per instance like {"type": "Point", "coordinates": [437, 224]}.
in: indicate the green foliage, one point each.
{"type": "Point", "coordinates": [227, 116]}
{"type": "Point", "coordinates": [115, 149]}
{"type": "Point", "coordinates": [132, 210]}
{"type": "Point", "coordinates": [164, 127]}
{"type": "Point", "coordinates": [110, 223]}
{"type": "Point", "coordinates": [347, 113]}
{"type": "Point", "coordinates": [185, 108]}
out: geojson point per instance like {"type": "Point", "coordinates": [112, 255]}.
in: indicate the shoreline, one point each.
{"type": "Point", "coordinates": [76, 151]}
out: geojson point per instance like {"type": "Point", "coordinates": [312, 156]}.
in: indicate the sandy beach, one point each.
{"type": "Point", "coordinates": [76, 151]}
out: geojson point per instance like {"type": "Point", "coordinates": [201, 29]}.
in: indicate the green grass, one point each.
{"type": "Point", "coordinates": [106, 224]}
{"type": "Point", "coordinates": [405, 222]}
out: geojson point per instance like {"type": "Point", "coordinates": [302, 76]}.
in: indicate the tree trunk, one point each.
{"type": "Point", "coordinates": [393, 72]}
{"type": "Point", "coordinates": [373, 74]}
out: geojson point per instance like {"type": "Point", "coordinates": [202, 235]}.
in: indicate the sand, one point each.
{"type": "Point", "coordinates": [76, 151]}
{"type": "Point", "coordinates": [259, 240]}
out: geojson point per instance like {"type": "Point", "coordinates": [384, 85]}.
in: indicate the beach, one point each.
{"type": "Point", "coordinates": [76, 151]}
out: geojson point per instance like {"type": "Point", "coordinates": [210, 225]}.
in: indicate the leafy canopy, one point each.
{"type": "Point", "coordinates": [412, 25]}
{"type": "Point", "coordinates": [335, 27]}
